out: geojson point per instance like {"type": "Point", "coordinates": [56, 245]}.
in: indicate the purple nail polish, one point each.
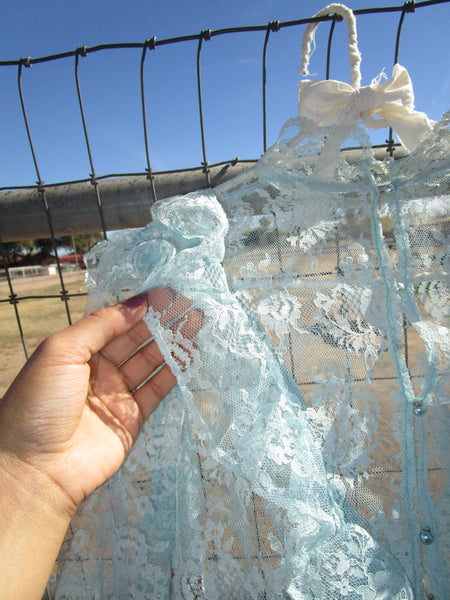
{"type": "Point", "coordinates": [135, 301]}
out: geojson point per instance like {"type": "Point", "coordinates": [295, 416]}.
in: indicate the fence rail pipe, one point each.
{"type": "Point", "coordinates": [124, 201]}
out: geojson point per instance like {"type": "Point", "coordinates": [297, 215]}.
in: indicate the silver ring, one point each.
{"type": "Point", "coordinates": [147, 379]}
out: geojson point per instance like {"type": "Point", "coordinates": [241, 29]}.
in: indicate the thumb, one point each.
{"type": "Point", "coordinates": [82, 340]}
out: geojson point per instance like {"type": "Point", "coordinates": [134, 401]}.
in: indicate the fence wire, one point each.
{"type": "Point", "coordinates": [188, 178]}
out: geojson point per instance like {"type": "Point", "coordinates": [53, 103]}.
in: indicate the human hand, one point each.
{"type": "Point", "coordinates": [70, 414]}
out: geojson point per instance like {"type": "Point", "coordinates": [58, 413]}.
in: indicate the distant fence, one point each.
{"type": "Point", "coordinates": [36, 270]}
{"type": "Point", "coordinates": [116, 200]}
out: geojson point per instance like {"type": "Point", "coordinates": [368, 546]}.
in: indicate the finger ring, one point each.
{"type": "Point", "coordinates": [147, 379]}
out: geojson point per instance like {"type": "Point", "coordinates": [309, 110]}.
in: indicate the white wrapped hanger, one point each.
{"type": "Point", "coordinates": [387, 103]}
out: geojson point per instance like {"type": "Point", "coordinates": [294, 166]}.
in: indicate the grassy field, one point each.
{"type": "Point", "coordinates": [39, 318]}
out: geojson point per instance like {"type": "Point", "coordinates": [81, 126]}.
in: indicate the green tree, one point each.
{"type": "Point", "coordinates": [34, 252]}
{"type": "Point", "coordinates": [84, 242]}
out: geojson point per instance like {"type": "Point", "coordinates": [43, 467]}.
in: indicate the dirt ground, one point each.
{"type": "Point", "coordinates": [39, 317]}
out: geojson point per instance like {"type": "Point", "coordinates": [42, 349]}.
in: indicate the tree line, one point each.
{"type": "Point", "coordinates": [38, 251]}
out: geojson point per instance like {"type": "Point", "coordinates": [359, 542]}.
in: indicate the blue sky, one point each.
{"type": "Point", "coordinates": [231, 78]}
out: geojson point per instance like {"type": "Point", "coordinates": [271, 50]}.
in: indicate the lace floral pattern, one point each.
{"type": "Point", "coordinates": [300, 455]}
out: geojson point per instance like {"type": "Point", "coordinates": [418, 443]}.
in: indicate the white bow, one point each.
{"type": "Point", "coordinates": [381, 104]}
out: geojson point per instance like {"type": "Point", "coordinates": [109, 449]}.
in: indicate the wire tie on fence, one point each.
{"type": "Point", "coordinates": [82, 50]}
{"type": "Point", "coordinates": [206, 34]}
{"type": "Point", "coordinates": [93, 177]}
{"type": "Point", "coordinates": [390, 146]}
{"type": "Point", "coordinates": [40, 186]}
{"type": "Point", "coordinates": [64, 295]}
{"type": "Point", "coordinates": [150, 175]}
{"type": "Point", "coordinates": [206, 167]}
{"type": "Point", "coordinates": [232, 163]}
{"type": "Point", "coordinates": [150, 43]}
{"type": "Point", "coordinates": [26, 61]}
{"type": "Point", "coordinates": [409, 6]}
{"type": "Point", "coordinates": [13, 299]}
{"type": "Point", "coordinates": [274, 25]}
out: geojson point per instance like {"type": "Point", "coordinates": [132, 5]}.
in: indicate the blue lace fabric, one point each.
{"type": "Point", "coordinates": [302, 454]}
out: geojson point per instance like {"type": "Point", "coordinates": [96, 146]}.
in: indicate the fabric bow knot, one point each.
{"type": "Point", "coordinates": [381, 104]}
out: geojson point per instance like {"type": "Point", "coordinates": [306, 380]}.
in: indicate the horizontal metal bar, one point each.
{"type": "Point", "coordinates": [18, 298]}
{"type": "Point", "coordinates": [125, 202]}
{"type": "Point", "coordinates": [249, 162]}
{"type": "Point", "coordinates": [193, 37]}
{"type": "Point", "coordinates": [125, 198]}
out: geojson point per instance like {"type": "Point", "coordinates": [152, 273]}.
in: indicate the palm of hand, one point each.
{"type": "Point", "coordinates": [71, 414]}
{"type": "Point", "coordinates": [91, 443]}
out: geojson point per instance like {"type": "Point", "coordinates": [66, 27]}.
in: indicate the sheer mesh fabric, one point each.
{"type": "Point", "coordinates": [302, 453]}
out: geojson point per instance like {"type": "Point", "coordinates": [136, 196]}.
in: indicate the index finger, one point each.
{"type": "Point", "coordinates": [163, 300]}
{"type": "Point", "coordinates": [79, 342]}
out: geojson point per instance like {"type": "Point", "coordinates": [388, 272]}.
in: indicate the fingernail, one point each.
{"type": "Point", "coordinates": [135, 301]}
